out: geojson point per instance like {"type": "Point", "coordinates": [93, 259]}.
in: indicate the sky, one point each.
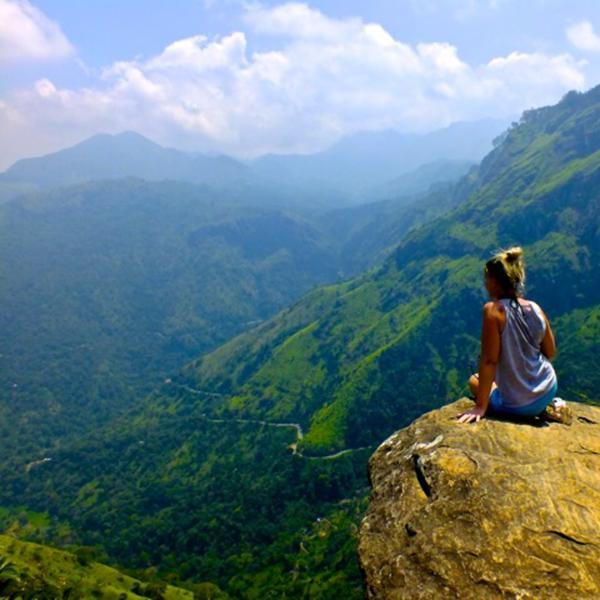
{"type": "Point", "coordinates": [244, 78]}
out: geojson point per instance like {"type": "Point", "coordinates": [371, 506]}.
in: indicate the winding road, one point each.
{"type": "Point", "coordinates": [293, 446]}
{"type": "Point", "coordinates": [299, 433]}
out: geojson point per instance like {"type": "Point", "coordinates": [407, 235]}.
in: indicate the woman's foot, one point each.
{"type": "Point", "coordinates": [557, 411]}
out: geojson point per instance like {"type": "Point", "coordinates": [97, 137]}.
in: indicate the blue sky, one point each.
{"type": "Point", "coordinates": [246, 78]}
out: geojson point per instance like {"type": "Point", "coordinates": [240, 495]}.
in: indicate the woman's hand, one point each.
{"type": "Point", "coordinates": [474, 414]}
{"type": "Point", "coordinates": [488, 360]}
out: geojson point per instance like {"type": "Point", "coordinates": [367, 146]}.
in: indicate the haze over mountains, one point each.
{"type": "Point", "coordinates": [358, 163]}
{"type": "Point", "coordinates": [127, 154]}
{"type": "Point", "coordinates": [246, 466]}
{"type": "Point", "coordinates": [345, 173]}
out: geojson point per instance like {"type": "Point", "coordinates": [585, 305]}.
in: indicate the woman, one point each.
{"type": "Point", "coordinates": [515, 373]}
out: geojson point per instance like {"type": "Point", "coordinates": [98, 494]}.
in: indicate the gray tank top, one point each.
{"type": "Point", "coordinates": [523, 373]}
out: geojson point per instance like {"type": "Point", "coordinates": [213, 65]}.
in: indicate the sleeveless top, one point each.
{"type": "Point", "coordinates": [523, 373]}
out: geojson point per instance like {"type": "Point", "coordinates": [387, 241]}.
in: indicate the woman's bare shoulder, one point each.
{"type": "Point", "coordinates": [493, 305]}
{"type": "Point", "coordinates": [494, 309]}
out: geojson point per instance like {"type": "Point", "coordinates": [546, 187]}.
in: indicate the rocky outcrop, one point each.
{"type": "Point", "coordinates": [497, 509]}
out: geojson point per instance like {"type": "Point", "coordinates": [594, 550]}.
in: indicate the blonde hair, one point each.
{"type": "Point", "coordinates": [507, 267]}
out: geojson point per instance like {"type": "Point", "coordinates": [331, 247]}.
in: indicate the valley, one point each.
{"type": "Point", "coordinates": [194, 446]}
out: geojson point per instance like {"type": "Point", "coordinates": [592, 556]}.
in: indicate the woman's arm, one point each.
{"type": "Point", "coordinates": [548, 345]}
{"type": "Point", "coordinates": [490, 353]}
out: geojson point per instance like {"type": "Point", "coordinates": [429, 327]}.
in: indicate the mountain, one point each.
{"type": "Point", "coordinates": [369, 351]}
{"type": "Point", "coordinates": [127, 154]}
{"type": "Point", "coordinates": [248, 468]}
{"type": "Point", "coordinates": [13, 189]}
{"type": "Point", "coordinates": [107, 287]}
{"type": "Point", "coordinates": [338, 176]}
{"type": "Point", "coordinates": [423, 177]}
{"type": "Point", "coordinates": [359, 165]}
{"type": "Point", "coordinates": [366, 234]}
{"type": "Point", "coordinates": [463, 513]}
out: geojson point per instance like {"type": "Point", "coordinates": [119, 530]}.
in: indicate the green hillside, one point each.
{"type": "Point", "coordinates": [33, 571]}
{"type": "Point", "coordinates": [107, 287]}
{"type": "Point", "coordinates": [209, 477]}
{"type": "Point", "coordinates": [353, 362]}
{"type": "Point", "coordinates": [396, 342]}
{"type": "Point", "coordinates": [365, 235]}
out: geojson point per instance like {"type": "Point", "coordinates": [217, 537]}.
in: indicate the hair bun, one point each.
{"type": "Point", "coordinates": [508, 269]}
{"type": "Point", "coordinates": [513, 254]}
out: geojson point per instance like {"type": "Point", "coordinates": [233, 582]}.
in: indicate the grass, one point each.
{"type": "Point", "coordinates": [63, 570]}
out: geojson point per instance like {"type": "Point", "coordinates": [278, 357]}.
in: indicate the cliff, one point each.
{"type": "Point", "coordinates": [497, 509]}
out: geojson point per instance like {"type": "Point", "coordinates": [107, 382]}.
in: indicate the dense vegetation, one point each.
{"type": "Point", "coordinates": [225, 502]}
{"type": "Point", "coordinates": [208, 477]}
{"type": "Point", "coordinates": [33, 571]}
{"type": "Point", "coordinates": [106, 287]}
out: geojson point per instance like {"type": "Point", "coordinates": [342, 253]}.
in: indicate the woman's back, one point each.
{"type": "Point", "coordinates": [523, 373]}
{"type": "Point", "coordinates": [515, 374]}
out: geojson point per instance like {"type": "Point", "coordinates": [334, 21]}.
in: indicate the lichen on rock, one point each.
{"type": "Point", "coordinates": [504, 508]}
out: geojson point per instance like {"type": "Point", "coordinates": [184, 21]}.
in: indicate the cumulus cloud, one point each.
{"type": "Point", "coordinates": [583, 36]}
{"type": "Point", "coordinates": [299, 21]}
{"type": "Point", "coordinates": [323, 78]}
{"type": "Point", "coordinates": [27, 34]}
{"type": "Point", "coordinates": [460, 10]}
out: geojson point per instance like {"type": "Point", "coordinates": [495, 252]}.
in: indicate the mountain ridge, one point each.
{"type": "Point", "coordinates": [227, 499]}
{"type": "Point", "coordinates": [348, 172]}
{"type": "Point", "coordinates": [128, 153]}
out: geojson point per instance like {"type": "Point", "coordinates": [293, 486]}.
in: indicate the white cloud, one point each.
{"type": "Point", "coordinates": [538, 70]}
{"type": "Point", "coordinates": [324, 78]}
{"type": "Point", "coordinates": [299, 21]}
{"type": "Point", "coordinates": [27, 34]}
{"type": "Point", "coordinates": [459, 10]}
{"type": "Point", "coordinates": [583, 36]}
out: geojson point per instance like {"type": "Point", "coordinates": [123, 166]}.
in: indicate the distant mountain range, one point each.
{"type": "Point", "coordinates": [354, 169]}
{"type": "Point", "coordinates": [127, 154]}
{"type": "Point", "coordinates": [358, 163]}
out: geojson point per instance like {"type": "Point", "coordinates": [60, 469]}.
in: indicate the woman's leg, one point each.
{"type": "Point", "coordinates": [474, 385]}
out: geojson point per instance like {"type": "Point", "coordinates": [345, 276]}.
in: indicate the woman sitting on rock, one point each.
{"type": "Point", "coordinates": [515, 373]}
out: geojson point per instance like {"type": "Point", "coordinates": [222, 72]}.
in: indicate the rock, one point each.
{"type": "Point", "coordinates": [495, 509]}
